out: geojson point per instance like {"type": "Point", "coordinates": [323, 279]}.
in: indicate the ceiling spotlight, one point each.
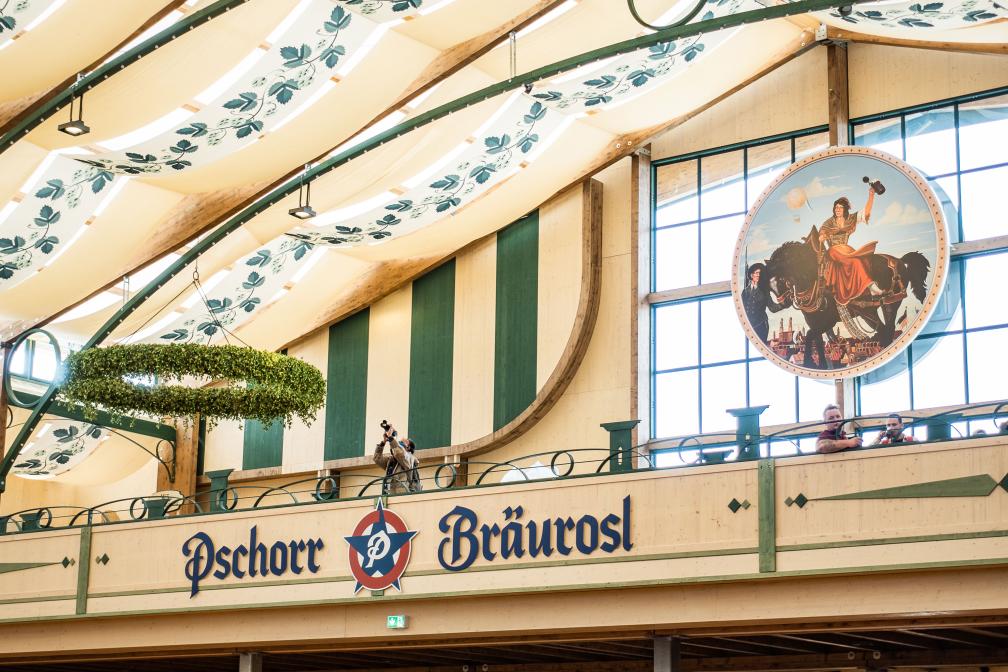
{"type": "Point", "coordinates": [75, 127]}
{"type": "Point", "coordinates": [304, 210]}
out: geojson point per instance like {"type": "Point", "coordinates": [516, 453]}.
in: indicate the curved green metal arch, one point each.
{"type": "Point", "coordinates": [292, 185]}
{"type": "Point", "coordinates": [106, 70]}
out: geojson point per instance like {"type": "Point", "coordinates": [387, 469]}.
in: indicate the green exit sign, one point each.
{"type": "Point", "coordinates": [397, 622]}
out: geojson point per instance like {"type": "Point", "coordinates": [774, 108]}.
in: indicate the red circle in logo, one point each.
{"type": "Point", "coordinates": [393, 521]}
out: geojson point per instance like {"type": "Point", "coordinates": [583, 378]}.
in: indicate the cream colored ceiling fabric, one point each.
{"type": "Point", "coordinates": [66, 193]}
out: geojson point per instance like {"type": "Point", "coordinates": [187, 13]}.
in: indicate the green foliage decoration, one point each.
{"type": "Point", "coordinates": [278, 386]}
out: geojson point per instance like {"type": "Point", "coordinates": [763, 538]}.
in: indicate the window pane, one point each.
{"type": "Point", "coordinates": [938, 374]}
{"type": "Point", "coordinates": [723, 388]}
{"type": "Point", "coordinates": [769, 384]}
{"type": "Point", "coordinates": [717, 246]}
{"type": "Point", "coordinates": [675, 336]}
{"type": "Point", "coordinates": [983, 208]}
{"type": "Point", "coordinates": [675, 195]}
{"type": "Point", "coordinates": [675, 257]}
{"type": "Point", "coordinates": [722, 338]}
{"type": "Point", "coordinates": [813, 396]}
{"type": "Point", "coordinates": [883, 135]}
{"type": "Point", "coordinates": [947, 191]}
{"type": "Point", "coordinates": [985, 278]}
{"type": "Point", "coordinates": [765, 163]}
{"type": "Point", "coordinates": [809, 144]}
{"type": "Point", "coordinates": [44, 361]}
{"type": "Point", "coordinates": [930, 143]}
{"type": "Point", "coordinates": [947, 313]}
{"type": "Point", "coordinates": [983, 132]}
{"type": "Point", "coordinates": [722, 189]}
{"type": "Point", "coordinates": [676, 408]}
{"type": "Point", "coordinates": [886, 396]}
{"type": "Point", "coordinates": [985, 349]}
{"type": "Point", "coordinates": [18, 359]}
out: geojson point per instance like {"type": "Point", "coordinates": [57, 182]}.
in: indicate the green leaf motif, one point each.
{"type": "Point", "coordinates": [295, 56]}
{"type": "Point", "coordinates": [284, 91]}
{"type": "Point", "coordinates": [402, 5]}
{"type": "Point", "coordinates": [65, 434]}
{"type": "Point", "coordinates": [244, 102]}
{"type": "Point", "coordinates": [183, 147]}
{"type": "Point", "coordinates": [693, 51]}
{"type": "Point", "coordinates": [597, 100]}
{"type": "Point", "coordinates": [401, 205]}
{"type": "Point", "coordinates": [8, 246]}
{"type": "Point", "coordinates": [208, 328]}
{"type": "Point", "coordinates": [603, 82]}
{"type": "Point", "coordinates": [7, 270]}
{"type": "Point", "coordinates": [549, 96]}
{"type": "Point", "coordinates": [249, 127]}
{"type": "Point", "coordinates": [7, 23]}
{"type": "Point", "coordinates": [93, 432]}
{"type": "Point", "coordinates": [141, 158]}
{"type": "Point", "coordinates": [176, 335]}
{"type": "Point", "coordinates": [388, 220]}
{"type": "Point", "coordinates": [448, 203]}
{"type": "Point", "coordinates": [99, 181]}
{"type": "Point", "coordinates": [254, 280]}
{"type": "Point", "coordinates": [446, 183]}
{"type": "Point", "coordinates": [528, 141]}
{"type": "Point", "coordinates": [378, 235]}
{"type": "Point", "coordinates": [195, 129]}
{"type": "Point", "coordinates": [331, 55]}
{"type": "Point", "coordinates": [496, 145]}
{"type": "Point", "coordinates": [260, 258]}
{"type": "Point", "coordinates": [301, 250]}
{"type": "Point", "coordinates": [47, 217]}
{"type": "Point", "coordinates": [179, 164]}
{"type": "Point", "coordinates": [248, 305]}
{"type": "Point", "coordinates": [46, 244]}
{"type": "Point", "coordinates": [661, 51]}
{"type": "Point", "coordinates": [53, 191]}
{"type": "Point", "coordinates": [535, 113]}
{"type": "Point", "coordinates": [338, 20]}
{"type": "Point", "coordinates": [641, 77]}
{"type": "Point", "coordinates": [61, 456]}
{"type": "Point", "coordinates": [482, 172]}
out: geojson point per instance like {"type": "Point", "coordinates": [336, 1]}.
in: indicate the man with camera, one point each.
{"type": "Point", "coordinates": [833, 439]}
{"type": "Point", "coordinates": [893, 432]}
{"type": "Point", "coordinates": [402, 469]}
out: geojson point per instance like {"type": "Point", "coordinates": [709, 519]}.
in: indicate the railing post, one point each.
{"type": "Point", "coordinates": [747, 432]}
{"type": "Point", "coordinates": [621, 457]}
{"type": "Point", "coordinates": [218, 486]}
{"type": "Point", "coordinates": [939, 428]}
{"type": "Point", "coordinates": [155, 507]}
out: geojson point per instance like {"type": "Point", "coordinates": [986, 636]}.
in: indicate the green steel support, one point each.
{"type": "Point", "coordinates": [292, 185]}
{"type": "Point", "coordinates": [621, 457]}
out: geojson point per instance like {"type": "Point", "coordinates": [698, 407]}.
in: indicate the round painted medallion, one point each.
{"type": "Point", "coordinates": [840, 263]}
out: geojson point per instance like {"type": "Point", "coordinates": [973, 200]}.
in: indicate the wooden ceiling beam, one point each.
{"type": "Point", "coordinates": [844, 35]}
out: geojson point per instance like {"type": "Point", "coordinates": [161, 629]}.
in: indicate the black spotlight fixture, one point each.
{"type": "Point", "coordinates": [304, 210]}
{"type": "Point", "coordinates": [75, 127]}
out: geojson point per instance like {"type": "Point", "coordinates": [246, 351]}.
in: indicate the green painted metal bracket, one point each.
{"type": "Point", "coordinates": [292, 185]}
{"type": "Point", "coordinates": [106, 70]}
{"type": "Point", "coordinates": [766, 480]}
{"type": "Point", "coordinates": [103, 418]}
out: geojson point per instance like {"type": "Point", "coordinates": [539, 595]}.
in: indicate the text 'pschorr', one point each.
{"type": "Point", "coordinates": [296, 555]}
{"type": "Point", "coordinates": [464, 541]}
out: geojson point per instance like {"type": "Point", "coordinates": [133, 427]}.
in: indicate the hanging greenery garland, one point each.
{"type": "Point", "coordinates": [278, 386]}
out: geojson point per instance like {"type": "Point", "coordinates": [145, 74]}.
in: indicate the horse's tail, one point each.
{"type": "Point", "coordinates": [914, 271]}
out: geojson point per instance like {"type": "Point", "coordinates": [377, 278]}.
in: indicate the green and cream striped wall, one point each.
{"type": "Point", "coordinates": [450, 358]}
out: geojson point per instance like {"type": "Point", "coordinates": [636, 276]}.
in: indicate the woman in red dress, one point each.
{"type": "Point", "coordinates": [844, 269]}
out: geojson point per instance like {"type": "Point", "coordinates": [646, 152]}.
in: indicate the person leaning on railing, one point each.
{"type": "Point", "coordinates": [833, 439]}
{"type": "Point", "coordinates": [894, 432]}
{"type": "Point", "coordinates": [402, 469]}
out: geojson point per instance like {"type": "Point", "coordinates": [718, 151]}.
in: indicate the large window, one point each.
{"type": "Point", "coordinates": [702, 364]}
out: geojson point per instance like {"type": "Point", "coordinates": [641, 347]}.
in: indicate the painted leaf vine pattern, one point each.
{"type": "Point", "coordinates": [249, 286]}
{"type": "Point", "coordinates": [525, 124]}
{"type": "Point", "coordinates": [49, 214]}
{"type": "Point", "coordinates": [937, 14]}
{"type": "Point", "coordinates": [67, 444]}
{"type": "Point", "coordinates": [15, 15]}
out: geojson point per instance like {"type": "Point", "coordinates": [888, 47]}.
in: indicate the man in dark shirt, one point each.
{"type": "Point", "coordinates": [757, 299]}
{"type": "Point", "coordinates": [833, 439]}
{"type": "Point", "coordinates": [893, 432]}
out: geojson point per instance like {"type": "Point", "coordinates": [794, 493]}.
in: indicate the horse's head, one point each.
{"type": "Point", "coordinates": [793, 264]}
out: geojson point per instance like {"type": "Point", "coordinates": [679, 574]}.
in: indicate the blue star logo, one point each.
{"type": "Point", "coordinates": [378, 549]}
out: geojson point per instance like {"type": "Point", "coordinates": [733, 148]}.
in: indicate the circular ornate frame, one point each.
{"type": "Point", "coordinates": [938, 273]}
